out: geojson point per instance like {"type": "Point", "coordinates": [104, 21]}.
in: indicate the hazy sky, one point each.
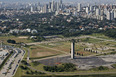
{"type": "Point", "coordinates": [67, 1]}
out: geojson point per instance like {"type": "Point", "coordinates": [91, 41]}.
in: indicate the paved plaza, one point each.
{"type": "Point", "coordinates": [82, 62]}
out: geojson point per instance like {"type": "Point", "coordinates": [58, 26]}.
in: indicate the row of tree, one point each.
{"type": "Point", "coordinates": [61, 68]}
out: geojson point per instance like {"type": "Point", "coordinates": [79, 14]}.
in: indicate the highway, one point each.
{"type": "Point", "coordinates": [11, 66]}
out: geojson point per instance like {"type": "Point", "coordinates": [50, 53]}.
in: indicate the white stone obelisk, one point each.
{"type": "Point", "coordinates": [72, 50]}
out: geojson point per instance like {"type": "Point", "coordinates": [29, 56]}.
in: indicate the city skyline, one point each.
{"type": "Point", "coordinates": [65, 1]}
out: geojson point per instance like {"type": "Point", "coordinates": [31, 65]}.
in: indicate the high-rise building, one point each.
{"type": "Point", "coordinates": [110, 15]}
{"type": "Point", "coordinates": [98, 12]}
{"type": "Point", "coordinates": [52, 6]}
{"type": "Point", "coordinates": [45, 8]}
{"type": "Point", "coordinates": [105, 11]}
{"type": "Point", "coordinates": [91, 8]}
{"type": "Point", "coordinates": [49, 5]}
{"type": "Point", "coordinates": [61, 4]}
{"type": "Point", "coordinates": [114, 13]}
{"type": "Point", "coordinates": [79, 7]}
{"type": "Point", "coordinates": [55, 6]}
{"type": "Point", "coordinates": [75, 13]}
{"type": "Point", "coordinates": [38, 7]}
{"type": "Point", "coordinates": [87, 10]}
{"type": "Point", "coordinates": [58, 7]}
{"type": "Point", "coordinates": [31, 9]}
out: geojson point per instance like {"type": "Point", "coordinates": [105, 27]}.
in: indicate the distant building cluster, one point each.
{"type": "Point", "coordinates": [51, 7]}
{"type": "Point", "coordinates": [100, 12]}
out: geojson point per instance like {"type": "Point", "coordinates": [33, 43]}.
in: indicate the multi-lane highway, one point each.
{"type": "Point", "coordinates": [10, 67]}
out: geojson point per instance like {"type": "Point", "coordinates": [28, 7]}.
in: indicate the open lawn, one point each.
{"type": "Point", "coordinates": [98, 35]}
{"type": "Point", "coordinates": [17, 39]}
{"type": "Point", "coordinates": [38, 51]}
{"type": "Point", "coordinates": [19, 72]}
{"type": "Point", "coordinates": [66, 47]}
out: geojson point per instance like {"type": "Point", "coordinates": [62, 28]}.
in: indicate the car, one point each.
{"type": "Point", "coordinates": [4, 73]}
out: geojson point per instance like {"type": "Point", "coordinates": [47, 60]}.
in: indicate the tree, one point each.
{"type": "Point", "coordinates": [11, 41]}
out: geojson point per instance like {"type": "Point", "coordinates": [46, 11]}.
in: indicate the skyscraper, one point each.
{"type": "Point", "coordinates": [110, 15]}
{"type": "Point", "coordinates": [98, 12]}
{"type": "Point", "coordinates": [60, 4]}
{"type": "Point", "coordinates": [38, 7]}
{"type": "Point", "coordinates": [58, 7]}
{"type": "Point", "coordinates": [115, 13]}
{"type": "Point", "coordinates": [49, 5]}
{"type": "Point", "coordinates": [31, 9]}
{"type": "Point", "coordinates": [91, 8]}
{"type": "Point", "coordinates": [79, 7]}
{"type": "Point", "coordinates": [52, 6]}
{"type": "Point", "coordinates": [87, 10]}
{"type": "Point", "coordinates": [75, 13]}
{"type": "Point", "coordinates": [45, 8]}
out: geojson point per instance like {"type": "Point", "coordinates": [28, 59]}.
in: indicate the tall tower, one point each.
{"type": "Point", "coordinates": [87, 10]}
{"type": "Point", "coordinates": [79, 7]}
{"type": "Point", "coordinates": [72, 49]}
{"type": "Point", "coordinates": [115, 13]}
{"type": "Point", "coordinates": [98, 12]}
{"type": "Point", "coordinates": [60, 2]}
{"type": "Point", "coordinates": [52, 6]}
{"type": "Point", "coordinates": [110, 15]}
{"type": "Point", "coordinates": [58, 6]}
{"type": "Point", "coordinates": [31, 9]}
{"type": "Point", "coordinates": [45, 8]}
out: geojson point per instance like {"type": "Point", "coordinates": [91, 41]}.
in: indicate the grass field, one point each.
{"type": "Point", "coordinates": [38, 51]}
{"type": "Point", "coordinates": [101, 36]}
{"type": "Point", "coordinates": [19, 72]}
{"type": "Point", "coordinates": [18, 39]}
{"type": "Point", "coordinates": [66, 47]}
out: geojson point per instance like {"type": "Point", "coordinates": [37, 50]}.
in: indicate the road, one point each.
{"type": "Point", "coordinates": [11, 66]}
{"type": "Point", "coordinates": [67, 39]}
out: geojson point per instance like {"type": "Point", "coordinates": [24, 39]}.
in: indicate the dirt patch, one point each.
{"type": "Point", "coordinates": [23, 37]}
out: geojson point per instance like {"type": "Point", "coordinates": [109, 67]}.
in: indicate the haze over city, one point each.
{"type": "Point", "coordinates": [65, 1]}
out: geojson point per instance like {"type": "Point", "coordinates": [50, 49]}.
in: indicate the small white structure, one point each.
{"type": "Point", "coordinates": [3, 53]}
{"type": "Point", "coordinates": [34, 31]}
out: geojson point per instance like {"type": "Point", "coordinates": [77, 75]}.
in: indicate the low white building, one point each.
{"type": "Point", "coordinates": [34, 31]}
{"type": "Point", "coordinates": [3, 53]}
